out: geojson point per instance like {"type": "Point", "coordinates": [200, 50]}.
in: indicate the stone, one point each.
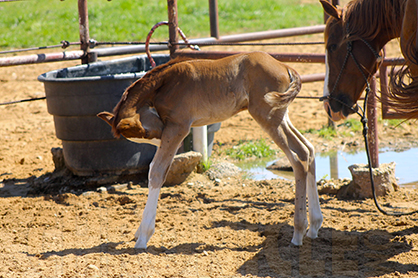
{"type": "Point", "coordinates": [58, 158]}
{"type": "Point", "coordinates": [383, 176]}
{"type": "Point", "coordinates": [223, 170]}
{"type": "Point", "coordinates": [281, 164]}
{"type": "Point", "coordinates": [183, 165]}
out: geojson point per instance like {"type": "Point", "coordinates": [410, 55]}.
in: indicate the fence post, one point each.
{"type": "Point", "coordinates": [84, 33]}
{"type": "Point", "coordinates": [372, 121]}
{"type": "Point", "coordinates": [213, 16]}
{"type": "Point", "coordinates": [172, 26]}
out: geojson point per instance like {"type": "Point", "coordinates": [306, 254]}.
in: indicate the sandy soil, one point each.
{"type": "Point", "coordinates": [233, 228]}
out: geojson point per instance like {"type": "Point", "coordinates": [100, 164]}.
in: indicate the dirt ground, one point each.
{"type": "Point", "coordinates": [230, 228]}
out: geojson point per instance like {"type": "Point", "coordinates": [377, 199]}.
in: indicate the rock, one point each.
{"type": "Point", "coordinates": [102, 189]}
{"type": "Point", "coordinates": [183, 164]}
{"type": "Point", "coordinates": [282, 164]}
{"type": "Point", "coordinates": [329, 187]}
{"type": "Point", "coordinates": [223, 170]}
{"type": "Point", "coordinates": [384, 180]}
{"type": "Point", "coordinates": [58, 158]}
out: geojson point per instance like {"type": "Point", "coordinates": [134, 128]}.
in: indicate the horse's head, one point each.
{"type": "Point", "coordinates": [349, 64]}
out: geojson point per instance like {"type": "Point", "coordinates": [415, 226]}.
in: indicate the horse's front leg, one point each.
{"type": "Point", "coordinates": [171, 138]}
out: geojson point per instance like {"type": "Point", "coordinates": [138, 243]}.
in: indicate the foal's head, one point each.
{"type": "Point", "coordinates": [124, 120]}
{"type": "Point", "coordinates": [350, 62]}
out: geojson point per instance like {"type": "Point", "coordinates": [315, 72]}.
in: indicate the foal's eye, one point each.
{"type": "Point", "coordinates": [332, 48]}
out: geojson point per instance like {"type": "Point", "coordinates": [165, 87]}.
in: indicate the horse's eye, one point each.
{"type": "Point", "coordinates": [332, 48]}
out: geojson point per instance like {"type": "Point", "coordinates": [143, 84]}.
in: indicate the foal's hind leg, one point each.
{"type": "Point", "coordinates": [301, 155]}
{"type": "Point", "coordinates": [315, 214]}
{"type": "Point", "coordinates": [171, 138]}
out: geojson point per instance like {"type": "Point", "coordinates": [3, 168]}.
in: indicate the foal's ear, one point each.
{"type": "Point", "coordinates": [330, 9]}
{"type": "Point", "coordinates": [107, 117]}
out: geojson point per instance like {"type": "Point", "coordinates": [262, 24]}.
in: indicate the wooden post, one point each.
{"type": "Point", "coordinates": [172, 26]}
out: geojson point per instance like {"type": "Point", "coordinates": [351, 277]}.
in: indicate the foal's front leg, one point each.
{"type": "Point", "coordinates": [171, 138]}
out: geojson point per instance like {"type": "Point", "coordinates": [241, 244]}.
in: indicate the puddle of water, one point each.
{"type": "Point", "coordinates": [335, 166]}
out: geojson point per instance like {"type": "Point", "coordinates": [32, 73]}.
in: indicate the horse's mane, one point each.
{"type": "Point", "coordinates": [367, 18]}
{"type": "Point", "coordinates": [144, 84]}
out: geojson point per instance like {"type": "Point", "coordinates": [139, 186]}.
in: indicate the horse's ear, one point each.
{"type": "Point", "coordinates": [330, 9]}
{"type": "Point", "coordinates": [107, 117]}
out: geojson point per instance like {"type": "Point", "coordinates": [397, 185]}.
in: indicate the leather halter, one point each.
{"type": "Point", "coordinates": [351, 54]}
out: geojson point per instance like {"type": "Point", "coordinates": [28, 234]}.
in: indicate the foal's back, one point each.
{"type": "Point", "coordinates": [214, 90]}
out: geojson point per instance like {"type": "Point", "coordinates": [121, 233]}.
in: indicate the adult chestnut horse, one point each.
{"type": "Point", "coordinates": [354, 38]}
{"type": "Point", "coordinates": [173, 97]}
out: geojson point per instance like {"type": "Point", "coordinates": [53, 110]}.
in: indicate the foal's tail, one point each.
{"type": "Point", "coordinates": [281, 100]}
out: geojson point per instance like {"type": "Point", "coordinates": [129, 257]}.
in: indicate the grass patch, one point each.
{"type": "Point", "coordinates": [325, 132]}
{"type": "Point", "coordinates": [47, 22]}
{"type": "Point", "coordinates": [393, 122]}
{"type": "Point", "coordinates": [353, 124]}
{"type": "Point", "coordinates": [243, 150]}
{"type": "Point", "coordinates": [205, 165]}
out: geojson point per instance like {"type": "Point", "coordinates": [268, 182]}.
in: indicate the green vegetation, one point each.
{"type": "Point", "coordinates": [353, 124]}
{"type": "Point", "coordinates": [394, 122]}
{"type": "Point", "coordinates": [47, 22]}
{"type": "Point", "coordinates": [205, 165]}
{"type": "Point", "coordinates": [258, 148]}
{"type": "Point", "coordinates": [325, 132]}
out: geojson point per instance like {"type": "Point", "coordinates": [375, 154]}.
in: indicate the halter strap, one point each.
{"type": "Point", "coordinates": [351, 54]}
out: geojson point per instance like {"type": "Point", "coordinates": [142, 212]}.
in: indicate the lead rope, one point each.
{"type": "Point", "coordinates": [147, 42]}
{"type": "Point", "coordinates": [366, 143]}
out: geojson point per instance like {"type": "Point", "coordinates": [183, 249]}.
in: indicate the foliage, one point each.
{"type": "Point", "coordinates": [394, 122]}
{"type": "Point", "coordinates": [354, 125]}
{"type": "Point", "coordinates": [258, 148]}
{"type": "Point", "coordinates": [205, 165]}
{"type": "Point", "coordinates": [326, 132]}
{"type": "Point", "coordinates": [47, 22]}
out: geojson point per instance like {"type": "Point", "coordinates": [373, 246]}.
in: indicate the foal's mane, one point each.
{"type": "Point", "coordinates": [144, 85]}
{"type": "Point", "coordinates": [368, 18]}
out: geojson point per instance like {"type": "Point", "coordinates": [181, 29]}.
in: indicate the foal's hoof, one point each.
{"type": "Point", "coordinates": [297, 240]}
{"type": "Point", "coordinates": [291, 245]}
{"type": "Point", "coordinates": [140, 245]}
{"type": "Point", "coordinates": [312, 234]}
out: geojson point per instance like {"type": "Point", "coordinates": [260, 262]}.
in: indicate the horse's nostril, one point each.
{"type": "Point", "coordinates": [327, 108]}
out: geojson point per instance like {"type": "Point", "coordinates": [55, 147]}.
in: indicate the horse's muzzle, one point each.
{"type": "Point", "coordinates": [334, 116]}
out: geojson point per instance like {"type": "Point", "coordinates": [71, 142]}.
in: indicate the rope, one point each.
{"type": "Point", "coordinates": [64, 45]}
{"type": "Point", "coordinates": [365, 129]}
{"type": "Point", "coordinates": [93, 43]}
{"type": "Point", "coordinates": [152, 62]}
{"type": "Point", "coordinates": [249, 43]}
{"type": "Point", "coordinates": [22, 100]}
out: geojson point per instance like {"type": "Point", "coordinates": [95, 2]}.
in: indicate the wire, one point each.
{"type": "Point", "coordinates": [22, 100]}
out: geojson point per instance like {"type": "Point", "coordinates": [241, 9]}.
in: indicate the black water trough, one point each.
{"type": "Point", "coordinates": [74, 97]}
